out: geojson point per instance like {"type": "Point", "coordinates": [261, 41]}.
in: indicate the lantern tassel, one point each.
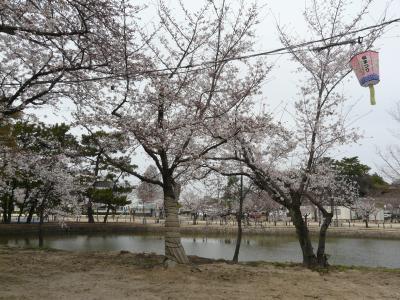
{"type": "Point", "coordinates": [372, 94]}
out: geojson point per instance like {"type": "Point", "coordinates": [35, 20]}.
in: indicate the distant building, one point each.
{"type": "Point", "coordinates": [138, 206]}
{"type": "Point", "coordinates": [378, 215]}
{"type": "Point", "coordinates": [340, 213]}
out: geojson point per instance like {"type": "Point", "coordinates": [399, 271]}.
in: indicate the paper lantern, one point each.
{"type": "Point", "coordinates": [366, 67]}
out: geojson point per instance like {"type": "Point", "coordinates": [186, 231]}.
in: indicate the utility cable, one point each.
{"type": "Point", "coordinates": [208, 64]}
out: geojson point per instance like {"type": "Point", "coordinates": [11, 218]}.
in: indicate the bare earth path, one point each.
{"type": "Point", "coordinates": [40, 274]}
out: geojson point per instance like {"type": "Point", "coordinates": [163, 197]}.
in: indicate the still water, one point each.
{"type": "Point", "coordinates": [343, 251]}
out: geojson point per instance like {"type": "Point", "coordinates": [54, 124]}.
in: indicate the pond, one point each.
{"type": "Point", "coordinates": [343, 251]}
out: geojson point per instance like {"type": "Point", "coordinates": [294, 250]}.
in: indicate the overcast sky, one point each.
{"type": "Point", "coordinates": [281, 89]}
{"type": "Point", "coordinates": [374, 121]}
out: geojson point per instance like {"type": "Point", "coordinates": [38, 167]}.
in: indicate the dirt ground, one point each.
{"type": "Point", "coordinates": [49, 274]}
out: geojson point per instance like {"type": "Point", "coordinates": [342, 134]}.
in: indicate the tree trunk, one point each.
{"type": "Point", "coordinates": [321, 256]}
{"type": "Point", "coordinates": [31, 212]}
{"type": "Point", "coordinates": [337, 218]}
{"type": "Point", "coordinates": [21, 210]}
{"type": "Point", "coordinates": [144, 215]}
{"type": "Point", "coordinates": [303, 235]}
{"type": "Point", "coordinates": [4, 206]}
{"type": "Point", "coordinates": [107, 213]}
{"type": "Point", "coordinates": [315, 214]}
{"type": "Point", "coordinates": [41, 226]}
{"type": "Point", "coordinates": [19, 215]}
{"type": "Point", "coordinates": [235, 258]}
{"type": "Point", "coordinates": [10, 210]}
{"type": "Point", "coordinates": [22, 207]}
{"type": "Point", "coordinates": [90, 212]}
{"type": "Point", "coordinates": [5, 216]}
{"type": "Point", "coordinates": [195, 216]}
{"type": "Point", "coordinates": [173, 247]}
{"type": "Point", "coordinates": [7, 210]}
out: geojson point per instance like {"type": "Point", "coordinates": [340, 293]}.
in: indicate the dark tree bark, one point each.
{"type": "Point", "coordinates": [239, 214]}
{"type": "Point", "coordinates": [31, 212]}
{"type": "Point", "coordinates": [195, 217]}
{"type": "Point", "coordinates": [90, 212]}
{"type": "Point", "coordinates": [235, 258]}
{"type": "Point", "coordinates": [20, 214]}
{"type": "Point", "coordinates": [41, 219]}
{"type": "Point", "coordinates": [22, 207]}
{"type": "Point", "coordinates": [322, 259]}
{"type": "Point", "coordinates": [10, 211]}
{"type": "Point", "coordinates": [315, 214]}
{"type": "Point", "coordinates": [21, 211]}
{"type": "Point", "coordinates": [8, 206]}
{"type": "Point", "coordinates": [107, 213]}
{"type": "Point", "coordinates": [5, 209]}
{"type": "Point", "coordinates": [303, 235]}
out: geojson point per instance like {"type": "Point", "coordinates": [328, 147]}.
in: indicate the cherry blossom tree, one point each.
{"type": "Point", "coordinates": [8, 185]}
{"type": "Point", "coordinates": [53, 189]}
{"type": "Point", "coordinates": [31, 144]}
{"type": "Point", "coordinates": [365, 207]}
{"type": "Point", "coordinates": [289, 164]}
{"type": "Point", "coordinates": [56, 191]}
{"type": "Point", "coordinates": [178, 115]}
{"type": "Point", "coordinates": [49, 47]}
{"type": "Point", "coordinates": [259, 203]}
{"type": "Point", "coordinates": [194, 203]}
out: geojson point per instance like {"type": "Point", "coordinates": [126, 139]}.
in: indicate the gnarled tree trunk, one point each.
{"type": "Point", "coordinates": [173, 247]}
{"type": "Point", "coordinates": [321, 256]}
{"type": "Point", "coordinates": [303, 235]}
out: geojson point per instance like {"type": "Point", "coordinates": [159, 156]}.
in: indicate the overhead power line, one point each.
{"type": "Point", "coordinates": [207, 64]}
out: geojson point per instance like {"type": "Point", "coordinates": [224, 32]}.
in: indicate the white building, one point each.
{"type": "Point", "coordinates": [378, 215]}
{"type": "Point", "coordinates": [340, 213]}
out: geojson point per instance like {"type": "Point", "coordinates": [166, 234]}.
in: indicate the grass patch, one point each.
{"type": "Point", "coordinates": [30, 248]}
{"type": "Point", "coordinates": [341, 268]}
{"type": "Point", "coordinates": [281, 265]}
{"type": "Point", "coordinates": [321, 270]}
{"type": "Point", "coordinates": [286, 265]}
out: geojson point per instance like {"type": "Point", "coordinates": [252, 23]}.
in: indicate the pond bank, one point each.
{"type": "Point", "coordinates": [76, 227]}
{"type": "Point", "coordinates": [49, 274]}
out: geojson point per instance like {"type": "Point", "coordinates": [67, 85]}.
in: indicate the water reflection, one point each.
{"type": "Point", "coordinates": [346, 251]}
